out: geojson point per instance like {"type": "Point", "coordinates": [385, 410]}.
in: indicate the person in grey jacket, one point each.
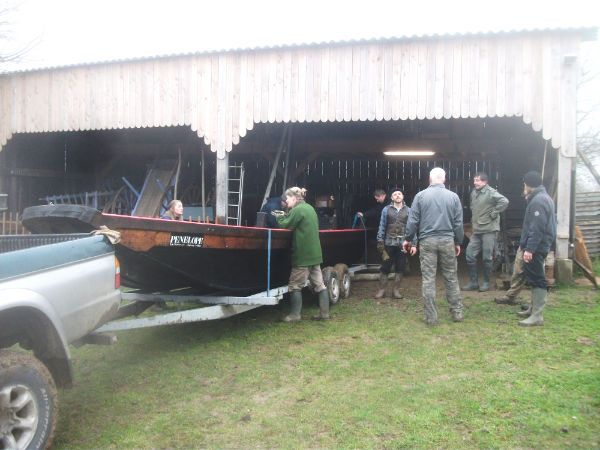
{"type": "Point", "coordinates": [537, 238]}
{"type": "Point", "coordinates": [435, 223]}
{"type": "Point", "coordinates": [390, 236]}
{"type": "Point", "coordinates": [486, 205]}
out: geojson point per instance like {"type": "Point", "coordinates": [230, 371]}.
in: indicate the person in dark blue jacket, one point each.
{"type": "Point", "coordinates": [537, 238]}
{"type": "Point", "coordinates": [273, 204]}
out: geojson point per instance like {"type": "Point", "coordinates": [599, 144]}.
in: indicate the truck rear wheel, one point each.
{"type": "Point", "coordinates": [28, 402]}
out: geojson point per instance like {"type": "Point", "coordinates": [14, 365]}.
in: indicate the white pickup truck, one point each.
{"type": "Point", "coordinates": [50, 296]}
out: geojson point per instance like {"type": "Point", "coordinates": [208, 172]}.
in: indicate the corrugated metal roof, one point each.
{"type": "Point", "coordinates": [587, 33]}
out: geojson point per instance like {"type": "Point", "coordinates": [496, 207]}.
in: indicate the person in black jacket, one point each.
{"type": "Point", "coordinates": [373, 215]}
{"type": "Point", "coordinates": [537, 238]}
{"type": "Point", "coordinates": [272, 204]}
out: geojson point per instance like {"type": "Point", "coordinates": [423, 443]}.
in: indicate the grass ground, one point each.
{"type": "Point", "coordinates": [373, 377]}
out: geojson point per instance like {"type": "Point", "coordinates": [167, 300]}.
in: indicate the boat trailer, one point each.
{"type": "Point", "coordinates": [337, 279]}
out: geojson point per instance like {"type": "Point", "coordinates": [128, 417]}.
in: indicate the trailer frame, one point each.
{"type": "Point", "coordinates": [223, 306]}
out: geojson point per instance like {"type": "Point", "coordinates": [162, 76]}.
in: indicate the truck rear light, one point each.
{"type": "Point", "coordinates": [117, 274]}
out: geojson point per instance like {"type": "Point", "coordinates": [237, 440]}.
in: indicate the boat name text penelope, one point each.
{"type": "Point", "coordinates": [186, 240]}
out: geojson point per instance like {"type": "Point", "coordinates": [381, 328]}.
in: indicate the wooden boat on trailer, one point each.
{"type": "Point", "coordinates": [160, 255]}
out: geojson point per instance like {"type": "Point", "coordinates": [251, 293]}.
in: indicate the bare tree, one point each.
{"type": "Point", "coordinates": [11, 51]}
{"type": "Point", "coordinates": [588, 120]}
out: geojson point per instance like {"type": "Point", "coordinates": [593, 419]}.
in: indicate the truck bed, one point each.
{"type": "Point", "coordinates": [11, 243]}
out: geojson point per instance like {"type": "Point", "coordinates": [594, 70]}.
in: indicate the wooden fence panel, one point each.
{"type": "Point", "coordinates": [10, 223]}
{"type": "Point", "coordinates": [587, 207]}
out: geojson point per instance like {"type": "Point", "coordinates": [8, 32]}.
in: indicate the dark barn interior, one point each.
{"type": "Point", "coordinates": [340, 160]}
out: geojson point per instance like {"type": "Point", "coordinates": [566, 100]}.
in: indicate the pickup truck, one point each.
{"type": "Point", "coordinates": [50, 296]}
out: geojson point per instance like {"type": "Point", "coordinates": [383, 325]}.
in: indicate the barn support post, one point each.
{"type": "Point", "coordinates": [563, 206]}
{"type": "Point", "coordinates": [221, 188]}
{"type": "Point", "coordinates": [2, 170]}
{"type": "Point", "coordinates": [567, 158]}
{"type": "Point", "coordinates": [564, 265]}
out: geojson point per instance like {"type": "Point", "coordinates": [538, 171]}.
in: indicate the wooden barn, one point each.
{"type": "Point", "coordinates": [319, 116]}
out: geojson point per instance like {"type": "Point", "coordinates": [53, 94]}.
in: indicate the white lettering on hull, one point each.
{"type": "Point", "coordinates": [186, 240]}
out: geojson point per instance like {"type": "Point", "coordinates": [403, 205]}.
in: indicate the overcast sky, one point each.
{"type": "Point", "coordinates": [78, 31]}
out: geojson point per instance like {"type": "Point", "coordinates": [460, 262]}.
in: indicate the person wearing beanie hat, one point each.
{"type": "Point", "coordinates": [486, 205]}
{"type": "Point", "coordinates": [537, 238]}
{"type": "Point", "coordinates": [532, 179]}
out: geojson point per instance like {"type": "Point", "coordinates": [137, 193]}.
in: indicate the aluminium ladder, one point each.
{"type": "Point", "coordinates": [235, 192]}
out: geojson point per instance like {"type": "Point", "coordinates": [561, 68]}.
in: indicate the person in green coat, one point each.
{"type": "Point", "coordinates": [486, 205]}
{"type": "Point", "coordinates": [306, 253]}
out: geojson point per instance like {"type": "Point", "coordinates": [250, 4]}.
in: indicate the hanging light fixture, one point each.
{"type": "Point", "coordinates": [409, 153]}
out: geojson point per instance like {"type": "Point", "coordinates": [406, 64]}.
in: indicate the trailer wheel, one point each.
{"type": "Point", "coordinates": [330, 278]}
{"type": "Point", "coordinates": [344, 279]}
{"type": "Point", "coordinates": [28, 402]}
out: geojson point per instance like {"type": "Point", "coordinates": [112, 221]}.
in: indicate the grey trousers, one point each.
{"type": "Point", "coordinates": [481, 243]}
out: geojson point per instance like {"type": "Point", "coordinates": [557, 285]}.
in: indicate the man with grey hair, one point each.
{"type": "Point", "coordinates": [435, 223]}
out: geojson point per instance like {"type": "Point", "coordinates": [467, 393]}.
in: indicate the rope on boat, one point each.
{"type": "Point", "coordinates": [113, 236]}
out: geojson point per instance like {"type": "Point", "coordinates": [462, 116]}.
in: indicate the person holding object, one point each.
{"type": "Point", "coordinates": [392, 227]}
{"type": "Point", "coordinates": [372, 215]}
{"type": "Point", "coordinates": [486, 205]}
{"type": "Point", "coordinates": [306, 253]}
{"type": "Point", "coordinates": [537, 238]}
{"type": "Point", "coordinates": [436, 223]}
{"type": "Point", "coordinates": [273, 204]}
{"type": "Point", "coordinates": [174, 211]}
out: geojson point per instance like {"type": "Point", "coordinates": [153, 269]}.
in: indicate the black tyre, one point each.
{"type": "Point", "coordinates": [28, 402]}
{"type": "Point", "coordinates": [344, 279]}
{"type": "Point", "coordinates": [330, 278]}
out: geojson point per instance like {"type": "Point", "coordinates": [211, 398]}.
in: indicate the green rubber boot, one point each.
{"type": "Point", "coordinates": [296, 307]}
{"type": "Point", "coordinates": [473, 284]}
{"type": "Point", "coordinates": [323, 306]}
{"type": "Point", "coordinates": [487, 270]}
{"type": "Point", "coordinates": [538, 301]}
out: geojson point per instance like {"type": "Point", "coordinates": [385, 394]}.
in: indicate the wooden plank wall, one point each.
{"type": "Point", "coordinates": [362, 176]}
{"type": "Point", "coordinates": [587, 205]}
{"type": "Point", "coordinates": [221, 96]}
{"type": "Point", "coordinates": [353, 180]}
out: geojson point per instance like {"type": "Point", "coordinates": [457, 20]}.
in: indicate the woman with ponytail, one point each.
{"type": "Point", "coordinates": [306, 253]}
